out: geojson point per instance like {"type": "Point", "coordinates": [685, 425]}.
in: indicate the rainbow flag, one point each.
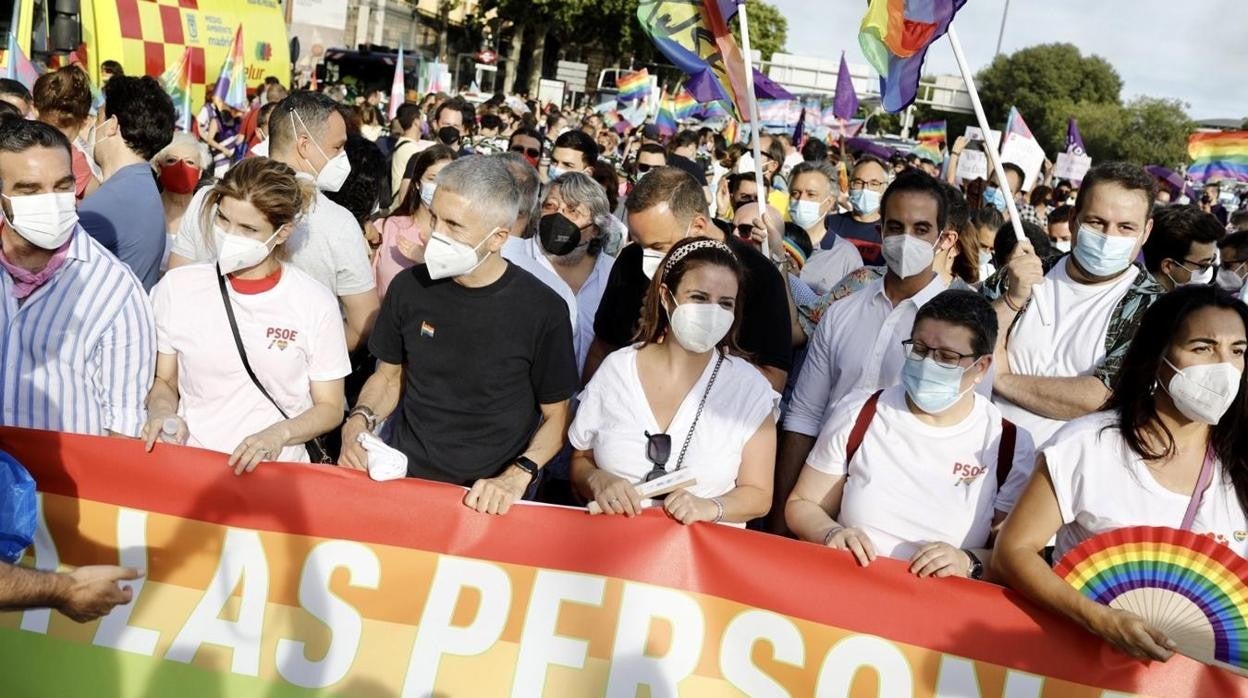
{"type": "Point", "coordinates": [1221, 155]}
{"type": "Point", "coordinates": [731, 131]}
{"type": "Point", "coordinates": [177, 82]}
{"type": "Point", "coordinates": [398, 91]}
{"type": "Point", "coordinates": [895, 35]}
{"type": "Point", "coordinates": [18, 66]}
{"type": "Point", "coordinates": [934, 131]}
{"type": "Point", "coordinates": [666, 119]}
{"type": "Point", "coordinates": [232, 85]}
{"type": "Point", "coordinates": [633, 86]}
{"type": "Point", "coordinates": [684, 105]}
{"type": "Point", "coordinates": [929, 150]}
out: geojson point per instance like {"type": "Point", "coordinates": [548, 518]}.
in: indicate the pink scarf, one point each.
{"type": "Point", "coordinates": [25, 282]}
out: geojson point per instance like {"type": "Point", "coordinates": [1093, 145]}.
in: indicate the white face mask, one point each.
{"type": "Point", "coordinates": [986, 268]}
{"type": "Point", "coordinates": [336, 169]}
{"type": "Point", "coordinates": [699, 327]}
{"type": "Point", "coordinates": [44, 220]}
{"type": "Point", "coordinates": [806, 213]}
{"type": "Point", "coordinates": [907, 255]}
{"type": "Point", "coordinates": [650, 261]}
{"type": "Point", "coordinates": [235, 252]}
{"type": "Point", "coordinates": [1229, 280]}
{"type": "Point", "coordinates": [1203, 393]}
{"type": "Point", "coordinates": [1194, 278]}
{"type": "Point", "coordinates": [446, 257]}
{"type": "Point", "coordinates": [1062, 246]}
{"type": "Point", "coordinates": [427, 190]}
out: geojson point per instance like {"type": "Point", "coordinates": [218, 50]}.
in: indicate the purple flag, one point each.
{"type": "Point", "coordinates": [799, 132]}
{"type": "Point", "coordinates": [1074, 141]}
{"type": "Point", "coordinates": [766, 88]}
{"type": "Point", "coordinates": [846, 104]}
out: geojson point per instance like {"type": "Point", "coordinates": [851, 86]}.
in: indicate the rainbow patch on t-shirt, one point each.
{"type": "Point", "coordinates": [426, 330]}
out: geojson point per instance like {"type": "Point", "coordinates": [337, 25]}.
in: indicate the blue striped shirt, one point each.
{"type": "Point", "coordinates": [79, 353]}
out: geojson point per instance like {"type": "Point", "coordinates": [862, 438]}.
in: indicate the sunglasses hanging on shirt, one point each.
{"type": "Point", "coordinates": [659, 446]}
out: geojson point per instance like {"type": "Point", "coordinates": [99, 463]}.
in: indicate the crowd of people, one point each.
{"type": "Point", "coordinates": [864, 355]}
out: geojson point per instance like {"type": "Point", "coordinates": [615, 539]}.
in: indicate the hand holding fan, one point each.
{"type": "Point", "coordinates": [1188, 586]}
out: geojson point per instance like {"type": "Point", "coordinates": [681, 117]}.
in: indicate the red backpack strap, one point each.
{"type": "Point", "coordinates": [856, 435]}
{"type": "Point", "coordinates": [1005, 452]}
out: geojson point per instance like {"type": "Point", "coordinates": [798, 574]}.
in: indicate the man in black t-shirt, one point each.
{"type": "Point", "coordinates": [475, 355]}
{"type": "Point", "coordinates": [666, 206]}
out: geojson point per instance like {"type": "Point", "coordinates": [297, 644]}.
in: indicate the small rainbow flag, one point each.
{"type": "Point", "coordinates": [177, 82]}
{"type": "Point", "coordinates": [18, 66]}
{"type": "Point", "coordinates": [633, 86]}
{"type": "Point", "coordinates": [666, 119]}
{"type": "Point", "coordinates": [232, 85]}
{"type": "Point", "coordinates": [933, 131]}
{"type": "Point", "coordinates": [731, 131]}
{"type": "Point", "coordinates": [684, 105]}
{"type": "Point", "coordinates": [398, 90]}
{"type": "Point", "coordinates": [930, 151]}
{"type": "Point", "coordinates": [1221, 155]}
{"type": "Point", "coordinates": [894, 37]}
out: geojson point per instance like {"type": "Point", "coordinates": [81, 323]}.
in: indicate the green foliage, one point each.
{"type": "Point", "coordinates": [1147, 131]}
{"type": "Point", "coordinates": [768, 29]}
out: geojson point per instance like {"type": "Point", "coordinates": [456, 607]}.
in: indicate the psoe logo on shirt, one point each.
{"type": "Point", "coordinates": [1240, 536]}
{"type": "Point", "coordinates": [427, 330]}
{"type": "Point", "coordinates": [967, 474]}
{"type": "Point", "coordinates": [280, 337]}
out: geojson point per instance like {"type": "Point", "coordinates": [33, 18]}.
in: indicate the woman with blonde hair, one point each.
{"type": "Point", "coordinates": [251, 351]}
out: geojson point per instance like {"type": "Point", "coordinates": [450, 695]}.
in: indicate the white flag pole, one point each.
{"type": "Point", "coordinates": [993, 153]}
{"type": "Point", "coordinates": [749, 91]}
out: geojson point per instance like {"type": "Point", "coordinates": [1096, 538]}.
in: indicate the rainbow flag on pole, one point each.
{"type": "Point", "coordinates": [232, 85]}
{"type": "Point", "coordinates": [934, 131]}
{"type": "Point", "coordinates": [666, 119]}
{"type": "Point", "coordinates": [398, 91]}
{"type": "Point", "coordinates": [633, 86]}
{"type": "Point", "coordinates": [177, 82]}
{"type": "Point", "coordinates": [18, 66]}
{"type": "Point", "coordinates": [1222, 155]}
{"type": "Point", "coordinates": [894, 37]}
{"type": "Point", "coordinates": [684, 105]}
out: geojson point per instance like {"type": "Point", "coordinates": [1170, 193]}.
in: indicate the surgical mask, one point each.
{"type": "Point", "coordinates": [427, 190]}
{"type": "Point", "coordinates": [1203, 393]}
{"type": "Point", "coordinates": [44, 220]}
{"type": "Point", "coordinates": [806, 213]}
{"type": "Point", "coordinates": [1194, 278]}
{"type": "Point", "coordinates": [907, 255]}
{"type": "Point", "coordinates": [933, 388]}
{"type": "Point", "coordinates": [1103, 255]}
{"type": "Point", "coordinates": [986, 269]}
{"type": "Point", "coordinates": [554, 172]}
{"type": "Point", "coordinates": [865, 201]}
{"type": "Point", "coordinates": [993, 197]}
{"type": "Point", "coordinates": [336, 170]}
{"type": "Point", "coordinates": [1229, 280]}
{"type": "Point", "coordinates": [1062, 246]}
{"type": "Point", "coordinates": [235, 252]}
{"type": "Point", "coordinates": [699, 327]}
{"type": "Point", "coordinates": [650, 261]}
{"type": "Point", "coordinates": [445, 257]}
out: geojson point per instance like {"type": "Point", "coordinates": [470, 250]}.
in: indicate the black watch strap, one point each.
{"type": "Point", "coordinates": [977, 565]}
{"type": "Point", "coordinates": [528, 466]}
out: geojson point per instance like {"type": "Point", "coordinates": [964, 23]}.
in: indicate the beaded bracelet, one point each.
{"type": "Point", "coordinates": [832, 532]}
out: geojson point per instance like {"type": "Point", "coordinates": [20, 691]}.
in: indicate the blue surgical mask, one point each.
{"type": "Point", "coordinates": [993, 197]}
{"type": "Point", "coordinates": [932, 388]}
{"type": "Point", "coordinates": [805, 213]}
{"type": "Point", "coordinates": [553, 172]}
{"type": "Point", "coordinates": [1103, 255]}
{"type": "Point", "coordinates": [865, 201]}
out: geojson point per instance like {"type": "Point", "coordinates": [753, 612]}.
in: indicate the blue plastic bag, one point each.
{"type": "Point", "coordinates": [18, 508]}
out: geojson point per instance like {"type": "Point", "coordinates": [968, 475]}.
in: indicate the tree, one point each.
{"type": "Point", "coordinates": [1035, 79]}
{"type": "Point", "coordinates": [768, 29]}
{"type": "Point", "coordinates": [1155, 132]}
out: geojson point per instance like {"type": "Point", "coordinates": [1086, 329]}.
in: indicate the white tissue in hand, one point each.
{"type": "Point", "coordinates": [384, 462]}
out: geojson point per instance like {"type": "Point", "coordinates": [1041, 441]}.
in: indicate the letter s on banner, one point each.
{"type": "Point", "coordinates": [735, 662]}
{"type": "Point", "coordinates": [345, 624]}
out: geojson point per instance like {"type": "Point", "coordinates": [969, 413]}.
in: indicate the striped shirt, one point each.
{"type": "Point", "coordinates": [79, 353]}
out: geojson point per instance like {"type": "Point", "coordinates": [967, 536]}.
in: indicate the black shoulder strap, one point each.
{"type": "Point", "coordinates": [238, 342]}
{"type": "Point", "coordinates": [1005, 452]}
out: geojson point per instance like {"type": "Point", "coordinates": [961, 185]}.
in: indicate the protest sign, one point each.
{"type": "Point", "coordinates": [972, 164]}
{"type": "Point", "coordinates": [1071, 166]}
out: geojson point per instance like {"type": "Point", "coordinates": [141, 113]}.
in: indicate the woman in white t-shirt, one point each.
{"type": "Point", "coordinates": [289, 325]}
{"type": "Point", "coordinates": [1174, 422]}
{"type": "Point", "coordinates": [682, 398]}
{"type": "Point", "coordinates": [923, 471]}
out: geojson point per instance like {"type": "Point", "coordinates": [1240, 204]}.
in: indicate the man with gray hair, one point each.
{"type": "Point", "coordinates": [307, 133]}
{"type": "Point", "coordinates": [475, 355]}
{"type": "Point", "coordinates": [812, 198]}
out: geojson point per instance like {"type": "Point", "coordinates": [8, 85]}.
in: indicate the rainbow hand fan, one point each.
{"type": "Point", "coordinates": [1188, 586]}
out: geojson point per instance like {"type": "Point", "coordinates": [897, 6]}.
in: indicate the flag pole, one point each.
{"type": "Point", "coordinates": [993, 154]}
{"type": "Point", "coordinates": [749, 91]}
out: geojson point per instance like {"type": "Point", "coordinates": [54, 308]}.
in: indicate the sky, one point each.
{"type": "Point", "coordinates": [1195, 51]}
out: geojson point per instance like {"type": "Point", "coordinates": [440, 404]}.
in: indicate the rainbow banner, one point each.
{"type": "Point", "coordinates": [633, 86]}
{"type": "Point", "coordinates": [177, 82]}
{"type": "Point", "coordinates": [232, 84]}
{"type": "Point", "coordinates": [933, 131]}
{"type": "Point", "coordinates": [1220, 155]}
{"type": "Point", "coordinates": [304, 580]}
{"type": "Point", "coordinates": [895, 35]}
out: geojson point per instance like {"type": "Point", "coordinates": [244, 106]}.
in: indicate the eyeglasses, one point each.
{"type": "Point", "coordinates": [744, 200]}
{"type": "Point", "coordinates": [745, 231]}
{"type": "Point", "coordinates": [550, 206]}
{"type": "Point", "coordinates": [1237, 268]}
{"type": "Point", "coordinates": [658, 452]}
{"type": "Point", "coordinates": [643, 168]}
{"type": "Point", "coordinates": [946, 358]}
{"type": "Point", "coordinates": [1201, 267]}
{"type": "Point", "coordinates": [531, 152]}
{"type": "Point", "coordinates": [863, 183]}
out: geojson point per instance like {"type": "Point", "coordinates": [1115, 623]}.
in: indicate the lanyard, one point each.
{"type": "Point", "coordinates": [1198, 494]}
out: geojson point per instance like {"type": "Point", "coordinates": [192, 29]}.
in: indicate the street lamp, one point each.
{"type": "Point", "coordinates": [1001, 34]}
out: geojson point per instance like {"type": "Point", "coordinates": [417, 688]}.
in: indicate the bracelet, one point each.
{"type": "Point", "coordinates": [832, 532]}
{"type": "Point", "coordinates": [1008, 304]}
{"type": "Point", "coordinates": [719, 510]}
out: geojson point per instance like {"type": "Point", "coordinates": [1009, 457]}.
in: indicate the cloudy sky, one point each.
{"type": "Point", "coordinates": [1194, 51]}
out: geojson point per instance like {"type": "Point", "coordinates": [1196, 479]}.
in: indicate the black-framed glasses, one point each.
{"type": "Point", "coordinates": [1201, 267]}
{"type": "Point", "coordinates": [658, 452]}
{"type": "Point", "coordinates": [531, 152]}
{"type": "Point", "coordinates": [946, 358]}
{"type": "Point", "coordinates": [643, 168]}
{"type": "Point", "coordinates": [745, 231]}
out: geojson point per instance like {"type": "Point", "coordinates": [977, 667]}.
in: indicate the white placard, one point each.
{"type": "Point", "coordinates": [973, 133]}
{"type": "Point", "coordinates": [972, 164]}
{"type": "Point", "coordinates": [1027, 154]}
{"type": "Point", "coordinates": [1072, 167]}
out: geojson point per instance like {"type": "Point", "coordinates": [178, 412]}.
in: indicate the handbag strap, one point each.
{"type": "Point", "coordinates": [689, 437]}
{"type": "Point", "coordinates": [238, 342]}
{"type": "Point", "coordinates": [1198, 494]}
{"type": "Point", "coordinates": [861, 424]}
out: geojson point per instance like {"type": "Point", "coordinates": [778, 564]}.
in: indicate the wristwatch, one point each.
{"type": "Point", "coordinates": [369, 418]}
{"type": "Point", "coordinates": [977, 566]}
{"type": "Point", "coordinates": [528, 466]}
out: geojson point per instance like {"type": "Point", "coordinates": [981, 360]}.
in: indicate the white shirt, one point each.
{"type": "Point", "coordinates": [293, 335]}
{"type": "Point", "coordinates": [327, 244]}
{"type": "Point", "coordinates": [521, 253]}
{"type": "Point", "coordinates": [1102, 485]}
{"type": "Point", "coordinates": [912, 483]}
{"type": "Point", "coordinates": [857, 346]}
{"type": "Point", "coordinates": [1062, 335]}
{"type": "Point", "coordinates": [587, 298]}
{"type": "Point", "coordinates": [825, 268]}
{"type": "Point", "coordinates": [614, 417]}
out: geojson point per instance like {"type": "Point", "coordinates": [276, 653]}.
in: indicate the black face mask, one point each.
{"type": "Point", "coordinates": [559, 235]}
{"type": "Point", "coordinates": [449, 135]}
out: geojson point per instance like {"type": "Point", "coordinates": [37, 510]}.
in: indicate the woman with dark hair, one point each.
{"type": "Point", "coordinates": [1170, 450]}
{"type": "Point", "coordinates": [405, 231]}
{"type": "Point", "coordinates": [681, 398]}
